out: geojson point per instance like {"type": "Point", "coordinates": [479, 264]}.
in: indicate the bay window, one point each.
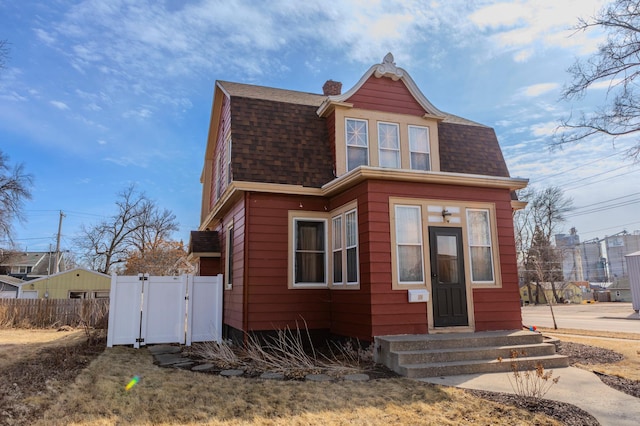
{"type": "Point", "coordinates": [310, 252]}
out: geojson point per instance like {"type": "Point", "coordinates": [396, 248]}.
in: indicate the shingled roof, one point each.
{"type": "Point", "coordinates": [279, 138]}
{"type": "Point", "coordinates": [204, 242]}
{"type": "Point", "coordinates": [470, 149]}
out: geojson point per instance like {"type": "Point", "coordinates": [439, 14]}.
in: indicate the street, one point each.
{"type": "Point", "coordinates": [596, 316]}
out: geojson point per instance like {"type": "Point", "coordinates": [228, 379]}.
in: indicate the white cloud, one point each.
{"type": "Point", "coordinates": [527, 26]}
{"type": "Point", "coordinates": [539, 89]}
{"type": "Point", "coordinates": [45, 36]}
{"type": "Point", "coordinates": [60, 105]}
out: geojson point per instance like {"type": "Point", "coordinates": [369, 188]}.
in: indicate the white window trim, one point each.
{"type": "Point", "coordinates": [340, 249]}
{"type": "Point", "coordinates": [381, 149]}
{"type": "Point", "coordinates": [426, 223]}
{"type": "Point", "coordinates": [228, 162]}
{"type": "Point", "coordinates": [347, 247]}
{"type": "Point", "coordinates": [428, 151]}
{"type": "Point", "coordinates": [490, 246]}
{"type": "Point", "coordinates": [346, 139]}
{"type": "Point", "coordinates": [342, 214]}
{"type": "Point", "coordinates": [306, 217]}
{"type": "Point", "coordinates": [420, 244]}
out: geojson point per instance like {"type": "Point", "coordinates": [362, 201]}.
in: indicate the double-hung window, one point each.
{"type": "Point", "coordinates": [228, 153]}
{"type": "Point", "coordinates": [357, 143]}
{"type": "Point", "coordinates": [419, 148]}
{"type": "Point", "coordinates": [310, 252]}
{"type": "Point", "coordinates": [479, 231]}
{"type": "Point", "coordinates": [389, 145]}
{"type": "Point", "coordinates": [345, 248]}
{"type": "Point", "coordinates": [408, 227]}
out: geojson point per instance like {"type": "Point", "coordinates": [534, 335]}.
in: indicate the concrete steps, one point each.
{"type": "Point", "coordinates": [432, 355]}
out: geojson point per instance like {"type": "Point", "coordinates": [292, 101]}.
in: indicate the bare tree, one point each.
{"type": "Point", "coordinates": [161, 259]}
{"type": "Point", "coordinates": [108, 243]}
{"type": "Point", "coordinates": [616, 63]}
{"type": "Point", "coordinates": [538, 260]}
{"type": "Point", "coordinates": [4, 53]}
{"type": "Point", "coordinates": [15, 188]}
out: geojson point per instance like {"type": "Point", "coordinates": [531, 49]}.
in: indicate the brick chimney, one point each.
{"type": "Point", "coordinates": [332, 88]}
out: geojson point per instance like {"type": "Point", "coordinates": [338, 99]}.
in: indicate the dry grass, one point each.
{"type": "Point", "coordinates": [627, 344]}
{"type": "Point", "coordinates": [169, 396]}
{"type": "Point", "coordinates": [16, 344]}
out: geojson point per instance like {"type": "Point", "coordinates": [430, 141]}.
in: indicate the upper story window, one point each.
{"type": "Point", "coordinates": [385, 140]}
{"type": "Point", "coordinates": [229, 171]}
{"type": "Point", "coordinates": [389, 145]}
{"type": "Point", "coordinates": [419, 148]}
{"type": "Point", "coordinates": [357, 143]}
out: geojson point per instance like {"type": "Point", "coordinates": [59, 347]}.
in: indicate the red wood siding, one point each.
{"type": "Point", "coordinates": [210, 266]}
{"type": "Point", "coordinates": [270, 303]}
{"type": "Point", "coordinates": [373, 309]}
{"type": "Point", "coordinates": [384, 94]}
{"type": "Point", "coordinates": [232, 299]}
{"type": "Point", "coordinates": [494, 309]}
{"type": "Point", "coordinates": [351, 308]}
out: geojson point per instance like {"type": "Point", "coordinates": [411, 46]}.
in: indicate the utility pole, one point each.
{"type": "Point", "coordinates": [56, 267]}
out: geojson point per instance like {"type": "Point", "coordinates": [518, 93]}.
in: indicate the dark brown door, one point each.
{"type": "Point", "coordinates": [447, 277]}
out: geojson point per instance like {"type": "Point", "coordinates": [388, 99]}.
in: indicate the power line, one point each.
{"type": "Point", "coordinates": [601, 180]}
{"type": "Point", "coordinates": [605, 201]}
{"type": "Point", "coordinates": [603, 208]}
{"type": "Point", "coordinates": [580, 166]}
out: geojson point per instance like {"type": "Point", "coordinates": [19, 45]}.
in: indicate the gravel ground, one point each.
{"type": "Point", "coordinates": [566, 413]}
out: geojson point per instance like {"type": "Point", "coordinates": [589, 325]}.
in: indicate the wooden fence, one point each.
{"type": "Point", "coordinates": [45, 313]}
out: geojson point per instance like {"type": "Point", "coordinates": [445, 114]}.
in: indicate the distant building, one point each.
{"type": "Point", "coordinates": [78, 283]}
{"type": "Point", "coordinates": [614, 248]}
{"type": "Point", "coordinates": [597, 260]}
{"type": "Point", "coordinates": [32, 265]}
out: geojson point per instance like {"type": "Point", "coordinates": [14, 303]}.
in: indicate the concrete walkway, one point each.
{"type": "Point", "coordinates": [576, 386]}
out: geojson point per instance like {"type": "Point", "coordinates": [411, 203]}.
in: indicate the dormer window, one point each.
{"type": "Point", "coordinates": [419, 148]}
{"type": "Point", "coordinates": [357, 143]}
{"type": "Point", "coordinates": [389, 145]}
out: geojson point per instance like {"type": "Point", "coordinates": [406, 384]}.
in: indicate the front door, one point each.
{"type": "Point", "coordinates": [447, 277]}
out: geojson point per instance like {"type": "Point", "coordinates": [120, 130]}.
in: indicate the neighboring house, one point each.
{"type": "Point", "coordinates": [568, 292]}
{"type": "Point", "coordinates": [620, 290]}
{"type": "Point", "coordinates": [9, 286]}
{"type": "Point", "coordinates": [32, 265]}
{"type": "Point", "coordinates": [359, 214]}
{"type": "Point", "coordinates": [76, 283]}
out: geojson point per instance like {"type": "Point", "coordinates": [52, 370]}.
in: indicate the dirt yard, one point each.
{"type": "Point", "coordinates": [54, 378]}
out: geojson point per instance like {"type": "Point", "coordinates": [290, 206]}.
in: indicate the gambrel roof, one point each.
{"type": "Point", "coordinates": [276, 141]}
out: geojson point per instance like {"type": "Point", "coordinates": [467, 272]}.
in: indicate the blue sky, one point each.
{"type": "Point", "coordinates": [99, 94]}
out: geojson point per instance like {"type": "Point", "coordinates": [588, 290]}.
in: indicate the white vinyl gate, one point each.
{"type": "Point", "coordinates": [146, 310]}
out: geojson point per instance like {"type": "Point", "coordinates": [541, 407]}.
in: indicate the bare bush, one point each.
{"type": "Point", "coordinates": [530, 383]}
{"type": "Point", "coordinates": [290, 352]}
{"type": "Point", "coordinates": [284, 353]}
{"type": "Point", "coordinates": [222, 354]}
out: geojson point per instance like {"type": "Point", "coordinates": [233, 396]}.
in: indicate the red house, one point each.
{"type": "Point", "coordinates": [364, 213]}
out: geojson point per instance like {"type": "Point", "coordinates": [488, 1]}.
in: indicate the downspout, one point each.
{"type": "Point", "coordinates": [245, 280]}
